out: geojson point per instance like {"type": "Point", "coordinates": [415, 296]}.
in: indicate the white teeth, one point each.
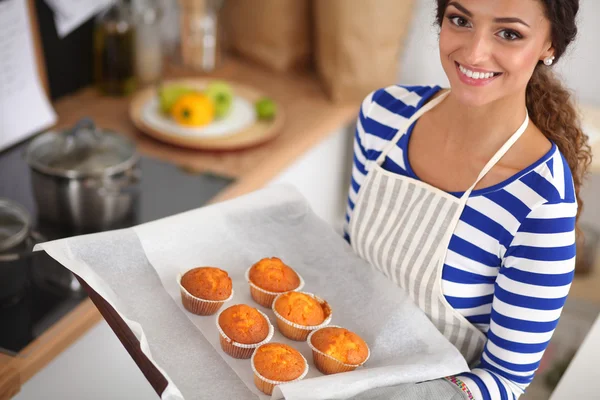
{"type": "Point", "coordinates": [475, 75]}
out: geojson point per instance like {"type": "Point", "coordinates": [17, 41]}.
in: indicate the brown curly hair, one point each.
{"type": "Point", "coordinates": [549, 104]}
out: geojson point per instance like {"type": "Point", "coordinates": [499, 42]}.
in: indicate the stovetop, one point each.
{"type": "Point", "coordinates": [165, 190]}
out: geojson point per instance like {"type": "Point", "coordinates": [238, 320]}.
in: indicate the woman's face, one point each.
{"type": "Point", "coordinates": [489, 48]}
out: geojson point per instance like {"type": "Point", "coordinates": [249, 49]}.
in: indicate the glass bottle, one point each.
{"type": "Point", "coordinates": [148, 42]}
{"type": "Point", "coordinates": [114, 57]}
{"type": "Point", "coordinates": [199, 34]}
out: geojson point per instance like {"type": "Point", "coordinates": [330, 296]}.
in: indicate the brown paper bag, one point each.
{"type": "Point", "coordinates": [274, 33]}
{"type": "Point", "coordinates": [358, 44]}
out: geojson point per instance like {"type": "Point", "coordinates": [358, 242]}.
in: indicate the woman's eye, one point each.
{"type": "Point", "coordinates": [459, 21]}
{"type": "Point", "coordinates": [509, 35]}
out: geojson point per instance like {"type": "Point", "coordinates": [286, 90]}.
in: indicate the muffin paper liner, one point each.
{"type": "Point", "coordinates": [329, 365]}
{"type": "Point", "coordinates": [197, 305]}
{"type": "Point", "coordinates": [296, 331]}
{"type": "Point", "coordinates": [242, 350]}
{"type": "Point", "coordinates": [264, 297]}
{"type": "Point", "coordinates": [267, 385]}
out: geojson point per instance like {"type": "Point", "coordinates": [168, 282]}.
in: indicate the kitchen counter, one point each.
{"type": "Point", "coordinates": [310, 119]}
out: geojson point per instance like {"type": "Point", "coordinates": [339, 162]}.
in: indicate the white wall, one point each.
{"type": "Point", "coordinates": [420, 59]}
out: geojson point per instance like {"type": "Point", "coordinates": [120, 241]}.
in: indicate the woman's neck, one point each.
{"type": "Point", "coordinates": [482, 129]}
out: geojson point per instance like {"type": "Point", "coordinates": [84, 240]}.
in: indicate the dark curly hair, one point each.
{"type": "Point", "coordinates": [549, 104]}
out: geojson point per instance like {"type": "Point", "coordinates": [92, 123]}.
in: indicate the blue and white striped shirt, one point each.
{"type": "Point", "coordinates": [511, 259]}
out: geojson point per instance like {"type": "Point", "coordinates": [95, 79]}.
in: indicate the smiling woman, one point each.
{"type": "Point", "coordinates": [468, 198]}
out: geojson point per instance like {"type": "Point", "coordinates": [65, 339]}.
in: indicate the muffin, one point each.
{"type": "Point", "coordinates": [299, 313]}
{"type": "Point", "coordinates": [242, 329]}
{"type": "Point", "coordinates": [270, 277]}
{"type": "Point", "coordinates": [205, 289]}
{"type": "Point", "coordinates": [337, 349]}
{"type": "Point", "coordinates": [277, 363]}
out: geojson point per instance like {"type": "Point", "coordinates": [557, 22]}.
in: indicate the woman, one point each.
{"type": "Point", "coordinates": [468, 198]}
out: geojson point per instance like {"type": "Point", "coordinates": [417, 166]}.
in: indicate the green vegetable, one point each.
{"type": "Point", "coordinates": [169, 94]}
{"type": "Point", "coordinates": [221, 95]}
{"type": "Point", "coordinates": [265, 109]}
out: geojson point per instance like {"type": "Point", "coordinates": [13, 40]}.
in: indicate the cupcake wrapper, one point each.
{"type": "Point", "coordinates": [299, 332]}
{"type": "Point", "coordinates": [199, 306]}
{"type": "Point", "coordinates": [267, 385]}
{"type": "Point", "coordinates": [242, 350]}
{"type": "Point", "coordinates": [263, 386]}
{"type": "Point", "coordinates": [264, 297]}
{"type": "Point", "coordinates": [233, 350]}
{"type": "Point", "coordinates": [329, 365]}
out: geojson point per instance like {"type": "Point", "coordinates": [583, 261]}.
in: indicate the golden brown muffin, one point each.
{"type": "Point", "coordinates": [341, 344]}
{"type": "Point", "coordinates": [244, 324]}
{"type": "Point", "coordinates": [207, 283]}
{"type": "Point", "coordinates": [300, 308]}
{"type": "Point", "coordinates": [273, 275]}
{"type": "Point", "coordinates": [278, 362]}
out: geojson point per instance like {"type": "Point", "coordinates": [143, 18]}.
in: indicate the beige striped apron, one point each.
{"type": "Point", "coordinates": [403, 226]}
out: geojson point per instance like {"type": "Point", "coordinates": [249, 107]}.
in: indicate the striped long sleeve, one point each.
{"type": "Point", "coordinates": [511, 258]}
{"type": "Point", "coordinates": [529, 293]}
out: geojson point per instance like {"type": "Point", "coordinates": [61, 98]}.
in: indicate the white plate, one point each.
{"type": "Point", "coordinates": [241, 116]}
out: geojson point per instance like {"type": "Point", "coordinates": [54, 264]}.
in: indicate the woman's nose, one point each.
{"type": "Point", "coordinates": [477, 49]}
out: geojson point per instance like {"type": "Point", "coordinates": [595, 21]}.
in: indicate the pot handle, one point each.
{"type": "Point", "coordinates": [32, 238]}
{"type": "Point", "coordinates": [125, 185]}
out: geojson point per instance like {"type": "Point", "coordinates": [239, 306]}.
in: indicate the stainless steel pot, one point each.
{"type": "Point", "coordinates": [84, 178]}
{"type": "Point", "coordinates": [20, 266]}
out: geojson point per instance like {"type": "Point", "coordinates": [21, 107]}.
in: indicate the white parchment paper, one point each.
{"type": "Point", "coordinates": [135, 270]}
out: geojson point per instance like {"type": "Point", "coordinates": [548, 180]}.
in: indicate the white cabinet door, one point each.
{"type": "Point", "coordinates": [95, 367]}
{"type": "Point", "coordinates": [323, 176]}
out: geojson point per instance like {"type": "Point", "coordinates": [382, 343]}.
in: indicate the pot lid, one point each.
{"type": "Point", "coordinates": [14, 224]}
{"type": "Point", "coordinates": [83, 150]}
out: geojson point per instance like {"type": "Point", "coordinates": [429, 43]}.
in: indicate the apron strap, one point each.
{"type": "Point", "coordinates": [402, 131]}
{"type": "Point", "coordinates": [490, 164]}
{"type": "Point", "coordinates": [499, 154]}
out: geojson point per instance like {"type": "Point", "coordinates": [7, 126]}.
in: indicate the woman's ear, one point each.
{"type": "Point", "coordinates": [548, 52]}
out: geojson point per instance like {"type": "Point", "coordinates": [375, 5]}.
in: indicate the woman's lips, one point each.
{"type": "Point", "coordinates": [475, 77]}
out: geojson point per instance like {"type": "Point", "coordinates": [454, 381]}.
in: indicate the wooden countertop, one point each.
{"type": "Point", "coordinates": [310, 117]}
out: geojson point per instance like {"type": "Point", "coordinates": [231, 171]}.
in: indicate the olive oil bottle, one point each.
{"type": "Point", "coordinates": [114, 46]}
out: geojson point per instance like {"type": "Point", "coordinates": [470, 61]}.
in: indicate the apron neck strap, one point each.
{"type": "Point", "coordinates": [412, 119]}
{"type": "Point", "coordinates": [493, 161]}
{"type": "Point", "coordinates": [499, 154]}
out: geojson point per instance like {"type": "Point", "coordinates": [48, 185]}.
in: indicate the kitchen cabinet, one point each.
{"type": "Point", "coordinates": [322, 175]}
{"type": "Point", "coordinates": [580, 380]}
{"type": "Point", "coordinates": [95, 367]}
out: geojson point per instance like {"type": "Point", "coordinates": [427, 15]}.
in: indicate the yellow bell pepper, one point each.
{"type": "Point", "coordinates": [194, 109]}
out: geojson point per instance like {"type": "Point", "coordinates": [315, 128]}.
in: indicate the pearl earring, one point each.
{"type": "Point", "coordinates": [549, 60]}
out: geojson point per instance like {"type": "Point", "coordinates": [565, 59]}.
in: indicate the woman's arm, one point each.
{"type": "Point", "coordinates": [381, 114]}
{"type": "Point", "coordinates": [360, 154]}
{"type": "Point", "coordinates": [529, 294]}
